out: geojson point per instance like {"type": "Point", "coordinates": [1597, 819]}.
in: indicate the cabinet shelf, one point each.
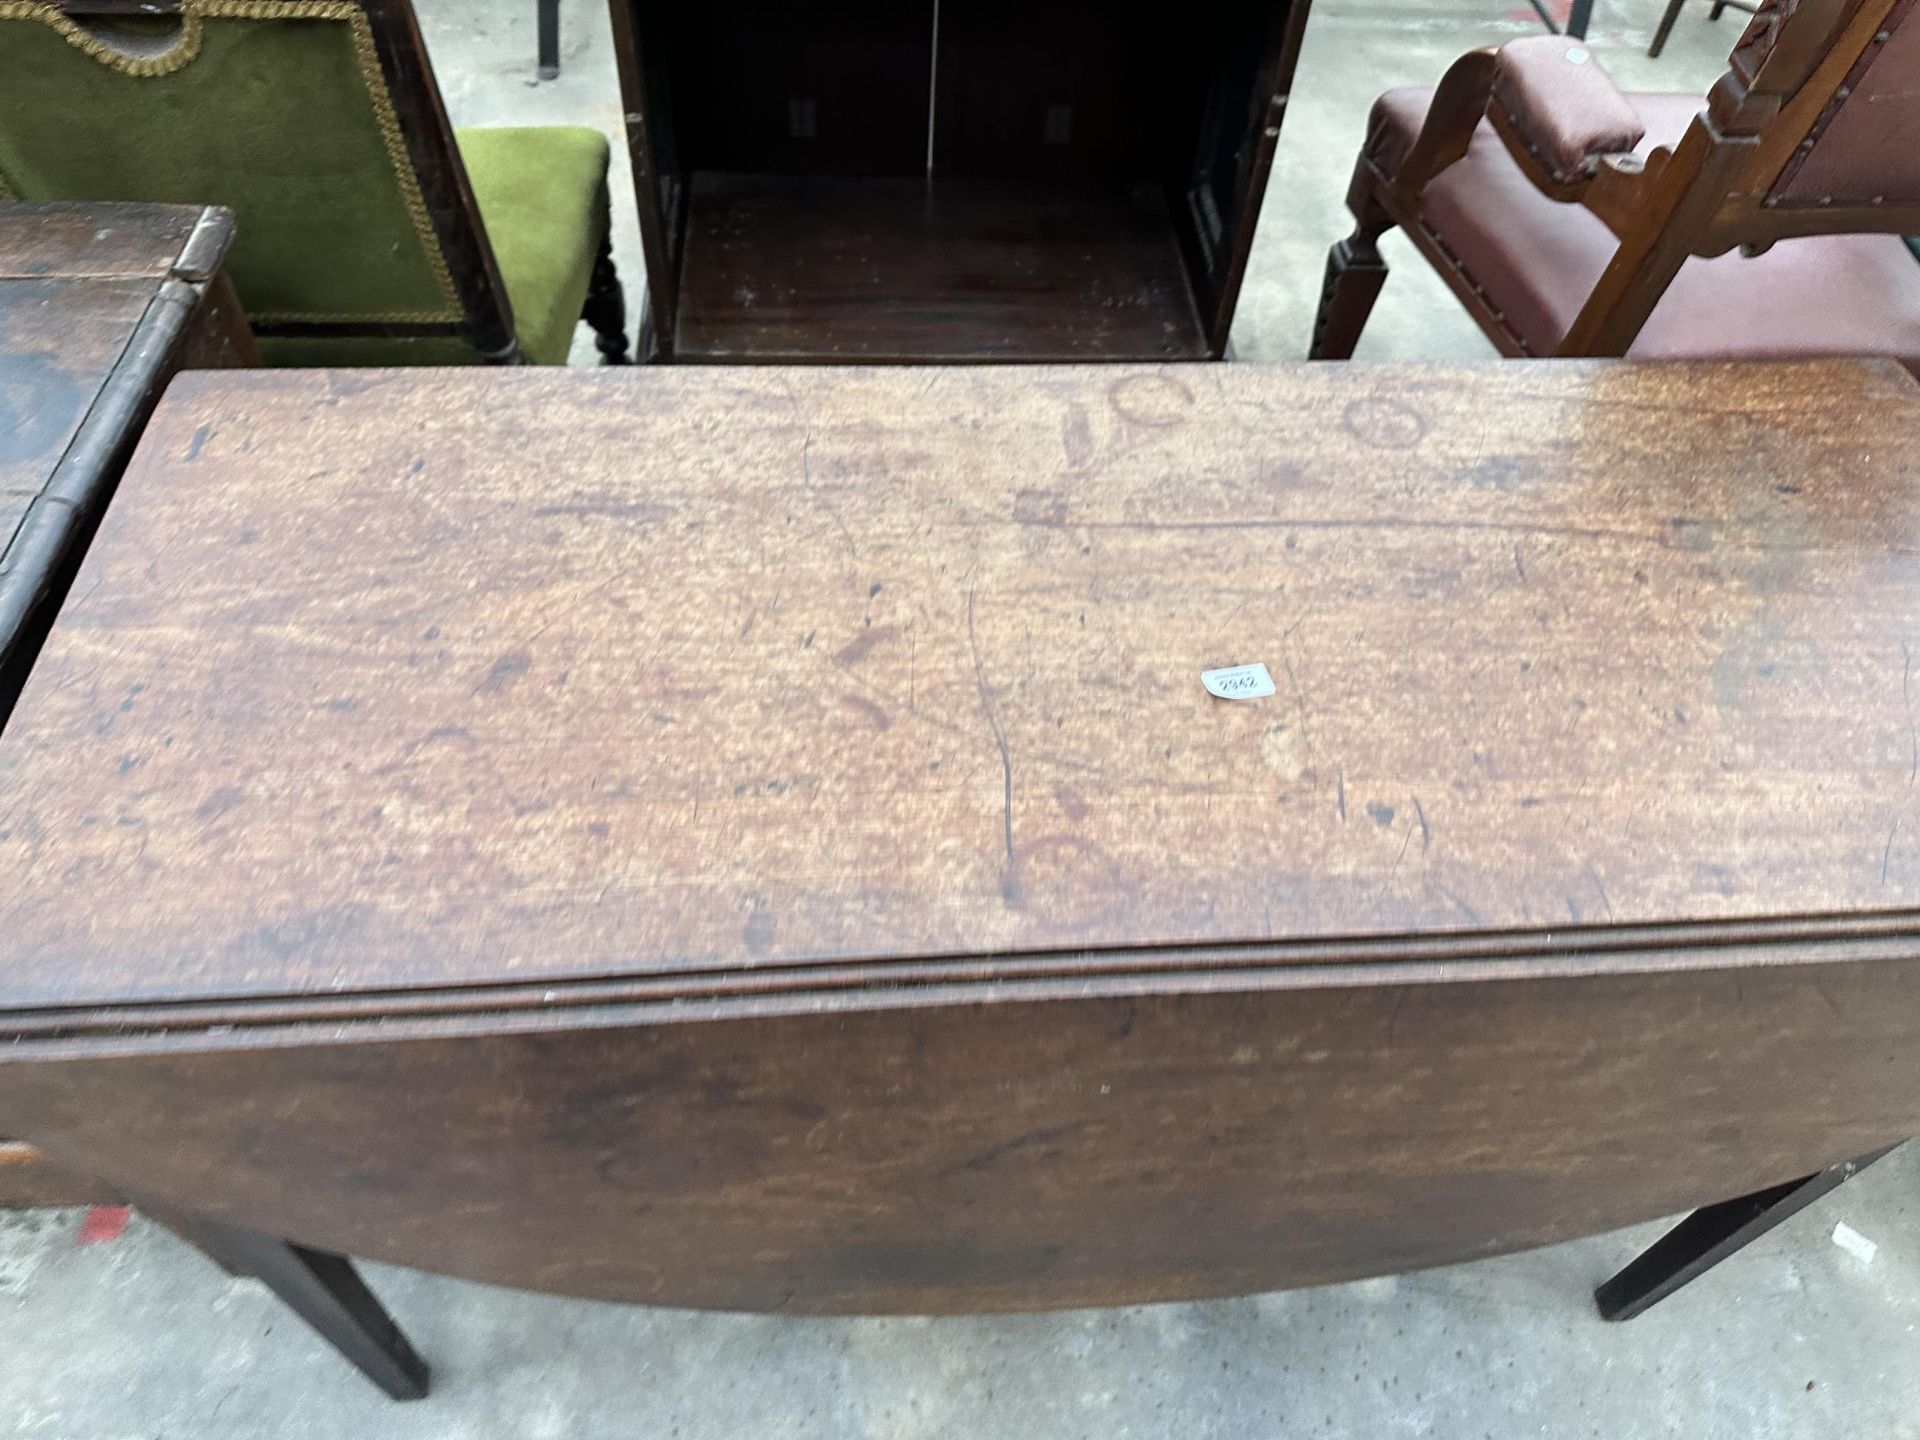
{"type": "Point", "coordinates": [801, 268]}
{"type": "Point", "coordinates": [972, 180]}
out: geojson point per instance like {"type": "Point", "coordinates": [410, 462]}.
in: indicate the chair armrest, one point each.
{"type": "Point", "coordinates": [1552, 99]}
{"type": "Point", "coordinates": [1559, 116]}
{"type": "Point", "coordinates": [1459, 105]}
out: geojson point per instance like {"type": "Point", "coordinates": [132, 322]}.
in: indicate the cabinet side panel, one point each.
{"type": "Point", "coordinates": [1216, 209]}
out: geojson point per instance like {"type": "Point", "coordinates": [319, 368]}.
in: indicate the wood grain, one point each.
{"type": "Point", "coordinates": [28, 1182]}
{"type": "Point", "coordinates": [801, 268]}
{"type": "Point", "coordinates": [99, 304]}
{"type": "Point", "coordinates": [61, 339]}
{"type": "Point", "coordinates": [81, 242]}
{"type": "Point", "coordinates": [756, 839]}
{"type": "Point", "coordinates": [1007, 1148]}
{"type": "Point", "coordinates": [387, 681]}
{"type": "Point", "coordinates": [75, 281]}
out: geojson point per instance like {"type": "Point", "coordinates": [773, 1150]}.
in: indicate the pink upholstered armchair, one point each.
{"type": "Point", "coordinates": [1572, 219]}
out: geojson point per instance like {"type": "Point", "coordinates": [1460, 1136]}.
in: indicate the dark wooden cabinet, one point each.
{"type": "Point", "coordinates": [960, 180]}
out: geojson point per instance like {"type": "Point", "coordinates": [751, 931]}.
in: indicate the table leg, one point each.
{"type": "Point", "coordinates": [1674, 7]}
{"type": "Point", "coordinates": [321, 1288]}
{"type": "Point", "coordinates": [1577, 20]}
{"type": "Point", "coordinates": [549, 24]}
{"type": "Point", "coordinates": [1708, 1236]}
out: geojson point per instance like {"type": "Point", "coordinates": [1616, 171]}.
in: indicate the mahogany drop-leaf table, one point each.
{"type": "Point", "coordinates": [757, 839]}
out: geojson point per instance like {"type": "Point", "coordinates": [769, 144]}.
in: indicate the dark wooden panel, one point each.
{"type": "Point", "coordinates": [1069, 89]}
{"type": "Point", "coordinates": [797, 87]}
{"type": "Point", "coordinates": [75, 283]}
{"type": "Point", "coordinates": [881, 1151]}
{"type": "Point", "coordinates": [1252, 50]}
{"type": "Point", "coordinates": [899, 270]}
{"type": "Point", "coordinates": [452, 678]}
{"type": "Point", "coordinates": [659, 180]}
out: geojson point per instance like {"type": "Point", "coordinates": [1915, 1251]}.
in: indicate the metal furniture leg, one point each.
{"type": "Point", "coordinates": [549, 23]}
{"type": "Point", "coordinates": [1577, 19]}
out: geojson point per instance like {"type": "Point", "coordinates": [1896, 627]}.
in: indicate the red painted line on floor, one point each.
{"type": "Point", "coordinates": [103, 1223]}
{"type": "Point", "coordinates": [1559, 9]}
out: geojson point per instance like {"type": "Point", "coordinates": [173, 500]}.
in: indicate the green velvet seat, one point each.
{"type": "Point", "coordinates": [368, 233]}
{"type": "Point", "coordinates": [542, 192]}
{"type": "Point", "coordinates": [543, 196]}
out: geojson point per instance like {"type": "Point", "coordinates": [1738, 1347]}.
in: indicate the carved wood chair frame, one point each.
{"type": "Point", "coordinates": [1713, 191]}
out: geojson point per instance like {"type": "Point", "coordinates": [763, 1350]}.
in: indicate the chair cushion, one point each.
{"type": "Point", "coordinates": [1563, 105]}
{"type": "Point", "coordinates": [542, 192]}
{"type": "Point", "coordinates": [1536, 260]}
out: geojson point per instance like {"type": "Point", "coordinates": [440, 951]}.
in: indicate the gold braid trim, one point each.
{"type": "Point", "coordinates": [366, 54]}
{"type": "Point", "coordinates": [394, 317]}
{"type": "Point", "coordinates": [92, 46]}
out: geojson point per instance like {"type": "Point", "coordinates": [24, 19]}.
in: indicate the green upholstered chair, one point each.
{"type": "Point", "coordinates": [370, 232]}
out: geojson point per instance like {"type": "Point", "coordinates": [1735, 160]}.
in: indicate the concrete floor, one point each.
{"type": "Point", "coordinates": [1795, 1336]}
{"type": "Point", "coordinates": [1800, 1335]}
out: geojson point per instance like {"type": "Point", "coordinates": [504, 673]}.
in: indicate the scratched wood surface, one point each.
{"type": "Point", "coordinates": [83, 355]}
{"type": "Point", "coordinates": [72, 292]}
{"type": "Point", "coordinates": [59, 340]}
{"type": "Point", "coordinates": [93, 319]}
{"type": "Point", "coordinates": [1079, 1145]}
{"type": "Point", "coordinates": [874, 270]}
{"type": "Point", "coordinates": [392, 680]}
{"type": "Point", "coordinates": [757, 839]}
{"type": "Point", "coordinates": [90, 242]}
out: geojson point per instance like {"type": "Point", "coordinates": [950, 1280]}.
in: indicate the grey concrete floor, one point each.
{"type": "Point", "coordinates": [1795, 1336]}
{"type": "Point", "coordinates": [138, 1337]}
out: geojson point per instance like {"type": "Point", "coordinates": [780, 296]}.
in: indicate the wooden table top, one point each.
{"type": "Point", "coordinates": [88, 330]}
{"type": "Point", "coordinates": [390, 681]}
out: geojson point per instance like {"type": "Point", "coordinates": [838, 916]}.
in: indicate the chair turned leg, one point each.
{"type": "Point", "coordinates": [1708, 1236]}
{"type": "Point", "coordinates": [606, 309]}
{"type": "Point", "coordinates": [547, 17]}
{"type": "Point", "coordinates": [321, 1288]}
{"type": "Point", "coordinates": [1355, 273]}
{"type": "Point", "coordinates": [1719, 6]}
{"type": "Point", "coordinates": [1671, 14]}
